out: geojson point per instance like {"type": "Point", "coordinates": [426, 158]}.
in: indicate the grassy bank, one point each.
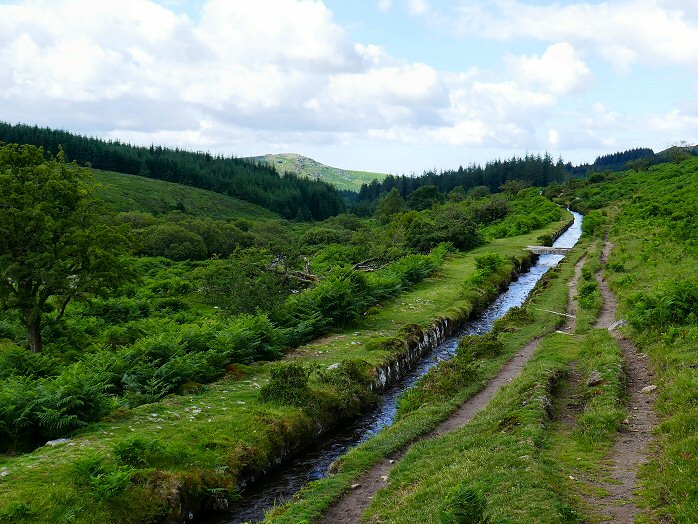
{"type": "Point", "coordinates": [651, 218]}
{"type": "Point", "coordinates": [440, 393]}
{"type": "Point", "coordinates": [519, 460]}
{"type": "Point", "coordinates": [190, 451]}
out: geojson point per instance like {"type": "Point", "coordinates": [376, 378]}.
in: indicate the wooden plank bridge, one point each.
{"type": "Point", "coordinates": [545, 250]}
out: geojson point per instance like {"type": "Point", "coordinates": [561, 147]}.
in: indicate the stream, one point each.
{"type": "Point", "coordinates": [313, 463]}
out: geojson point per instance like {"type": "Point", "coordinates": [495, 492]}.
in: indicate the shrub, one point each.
{"type": "Point", "coordinates": [592, 222]}
{"type": "Point", "coordinates": [475, 347]}
{"type": "Point", "coordinates": [15, 360]}
{"type": "Point", "coordinates": [288, 384]}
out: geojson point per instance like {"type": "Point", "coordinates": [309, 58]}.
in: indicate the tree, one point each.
{"type": "Point", "coordinates": [389, 204]}
{"type": "Point", "coordinates": [54, 247]}
{"type": "Point", "coordinates": [425, 198]}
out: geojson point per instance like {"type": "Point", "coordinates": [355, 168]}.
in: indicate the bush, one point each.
{"type": "Point", "coordinates": [592, 222]}
{"type": "Point", "coordinates": [288, 384]}
{"type": "Point", "coordinates": [475, 347]}
{"type": "Point", "coordinates": [172, 241]}
{"type": "Point", "coordinates": [15, 360]}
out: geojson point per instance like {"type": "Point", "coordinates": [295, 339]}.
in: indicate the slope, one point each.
{"type": "Point", "coordinates": [309, 168]}
{"type": "Point", "coordinates": [135, 193]}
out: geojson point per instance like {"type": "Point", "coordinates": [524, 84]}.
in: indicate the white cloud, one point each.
{"type": "Point", "coordinates": [559, 70]}
{"type": "Point", "coordinates": [621, 31]}
{"type": "Point", "coordinates": [385, 5]}
{"type": "Point", "coordinates": [418, 7]}
{"type": "Point", "coordinates": [676, 121]}
{"type": "Point", "coordinates": [234, 79]}
{"type": "Point", "coordinates": [234, 75]}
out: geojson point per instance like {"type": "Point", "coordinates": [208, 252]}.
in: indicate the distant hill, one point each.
{"type": "Point", "coordinates": [158, 197]}
{"type": "Point", "coordinates": [255, 182]}
{"type": "Point", "coordinates": [309, 168]}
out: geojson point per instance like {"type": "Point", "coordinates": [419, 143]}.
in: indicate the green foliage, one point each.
{"type": "Point", "coordinates": [447, 224]}
{"type": "Point", "coordinates": [487, 265]}
{"type": "Point", "coordinates": [593, 221]}
{"type": "Point", "coordinates": [479, 181]}
{"type": "Point", "coordinates": [476, 347]}
{"type": "Point", "coordinates": [15, 512]}
{"type": "Point", "coordinates": [289, 383]}
{"type": "Point", "coordinates": [525, 212]}
{"type": "Point", "coordinates": [18, 361]}
{"type": "Point", "coordinates": [53, 244]}
{"type": "Point", "coordinates": [172, 241]}
{"type": "Point", "coordinates": [104, 480]}
{"type": "Point", "coordinates": [247, 282]}
{"type": "Point", "coordinates": [137, 452]}
{"type": "Point", "coordinates": [489, 262]}
{"type": "Point", "coordinates": [425, 197]}
{"type": "Point", "coordinates": [439, 385]}
{"type": "Point", "coordinates": [138, 200]}
{"type": "Point", "coordinates": [389, 204]}
{"type": "Point", "coordinates": [588, 296]}
{"type": "Point", "coordinates": [463, 505]}
{"type": "Point", "coordinates": [674, 303]}
{"type": "Point", "coordinates": [32, 410]}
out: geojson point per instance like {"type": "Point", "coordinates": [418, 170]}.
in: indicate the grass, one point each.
{"type": "Point", "coordinates": [158, 197]}
{"type": "Point", "coordinates": [208, 440]}
{"type": "Point", "coordinates": [652, 223]}
{"type": "Point", "coordinates": [521, 454]}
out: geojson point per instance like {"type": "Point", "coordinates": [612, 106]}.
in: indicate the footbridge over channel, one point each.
{"type": "Point", "coordinates": [545, 250]}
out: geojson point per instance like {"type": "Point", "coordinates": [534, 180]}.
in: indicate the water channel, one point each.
{"type": "Point", "coordinates": [280, 485]}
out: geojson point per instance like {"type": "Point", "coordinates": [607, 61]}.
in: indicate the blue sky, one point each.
{"type": "Point", "coordinates": [396, 86]}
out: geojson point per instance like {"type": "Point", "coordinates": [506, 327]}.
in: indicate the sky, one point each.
{"type": "Point", "coordinates": [394, 86]}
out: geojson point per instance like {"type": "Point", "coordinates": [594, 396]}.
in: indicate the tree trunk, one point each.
{"type": "Point", "coordinates": [34, 332]}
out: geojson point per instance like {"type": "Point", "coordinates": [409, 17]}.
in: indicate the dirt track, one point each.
{"type": "Point", "coordinates": [350, 508]}
{"type": "Point", "coordinates": [631, 449]}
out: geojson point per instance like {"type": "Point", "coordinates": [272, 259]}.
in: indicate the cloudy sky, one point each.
{"type": "Point", "coordinates": [384, 85]}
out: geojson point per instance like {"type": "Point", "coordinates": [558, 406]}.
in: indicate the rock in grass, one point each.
{"type": "Point", "coordinates": [648, 389]}
{"type": "Point", "coordinates": [595, 378]}
{"type": "Point", "coordinates": [57, 441]}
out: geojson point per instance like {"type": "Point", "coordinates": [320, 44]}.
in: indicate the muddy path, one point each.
{"type": "Point", "coordinates": [351, 507]}
{"type": "Point", "coordinates": [631, 448]}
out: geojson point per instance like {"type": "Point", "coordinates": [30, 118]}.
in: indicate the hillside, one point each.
{"type": "Point", "coordinates": [254, 182]}
{"type": "Point", "coordinates": [158, 197]}
{"type": "Point", "coordinates": [309, 168]}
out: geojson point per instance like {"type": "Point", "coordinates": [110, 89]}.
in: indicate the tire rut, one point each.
{"type": "Point", "coordinates": [631, 449]}
{"type": "Point", "coordinates": [350, 508]}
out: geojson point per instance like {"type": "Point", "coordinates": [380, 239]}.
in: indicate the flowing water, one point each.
{"type": "Point", "coordinates": [313, 463]}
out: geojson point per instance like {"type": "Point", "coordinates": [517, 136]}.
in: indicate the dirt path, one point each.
{"type": "Point", "coordinates": [350, 508]}
{"type": "Point", "coordinates": [630, 451]}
